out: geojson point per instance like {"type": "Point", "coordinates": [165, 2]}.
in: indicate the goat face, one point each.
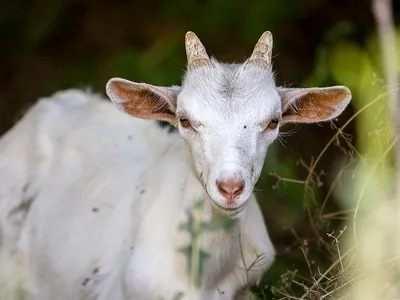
{"type": "Point", "coordinates": [228, 115]}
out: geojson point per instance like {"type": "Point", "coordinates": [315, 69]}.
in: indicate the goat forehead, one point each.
{"type": "Point", "coordinates": [222, 91]}
{"type": "Point", "coordinates": [228, 81]}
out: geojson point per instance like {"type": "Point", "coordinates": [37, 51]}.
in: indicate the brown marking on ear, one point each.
{"type": "Point", "coordinates": [142, 101]}
{"type": "Point", "coordinates": [152, 107]}
{"type": "Point", "coordinates": [316, 105]}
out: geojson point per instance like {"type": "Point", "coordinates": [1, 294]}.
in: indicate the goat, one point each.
{"type": "Point", "coordinates": [91, 199]}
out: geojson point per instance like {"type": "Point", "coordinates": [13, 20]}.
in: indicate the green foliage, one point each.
{"type": "Point", "coordinates": [359, 68]}
{"type": "Point", "coordinates": [189, 252]}
{"type": "Point", "coordinates": [195, 227]}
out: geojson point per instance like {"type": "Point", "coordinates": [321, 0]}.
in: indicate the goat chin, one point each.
{"type": "Point", "coordinates": [88, 209]}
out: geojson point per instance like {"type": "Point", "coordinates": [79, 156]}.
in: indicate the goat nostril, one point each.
{"type": "Point", "coordinates": [239, 189]}
{"type": "Point", "coordinates": [230, 188]}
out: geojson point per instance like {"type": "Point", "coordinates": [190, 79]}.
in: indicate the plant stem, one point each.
{"type": "Point", "coordinates": [195, 255]}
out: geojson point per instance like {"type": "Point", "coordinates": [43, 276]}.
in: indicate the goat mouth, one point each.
{"type": "Point", "coordinates": [232, 211]}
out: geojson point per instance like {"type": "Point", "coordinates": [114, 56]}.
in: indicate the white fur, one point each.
{"type": "Point", "coordinates": [106, 194]}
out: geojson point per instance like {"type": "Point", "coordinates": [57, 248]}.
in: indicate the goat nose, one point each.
{"type": "Point", "coordinates": [230, 188]}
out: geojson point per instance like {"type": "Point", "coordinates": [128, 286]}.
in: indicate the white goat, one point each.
{"type": "Point", "coordinates": [91, 199]}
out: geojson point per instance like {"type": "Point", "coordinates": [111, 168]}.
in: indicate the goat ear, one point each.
{"type": "Point", "coordinates": [143, 100]}
{"type": "Point", "coordinates": [312, 105]}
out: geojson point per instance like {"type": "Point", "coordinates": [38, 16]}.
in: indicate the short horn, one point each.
{"type": "Point", "coordinates": [195, 51]}
{"type": "Point", "coordinates": [263, 50]}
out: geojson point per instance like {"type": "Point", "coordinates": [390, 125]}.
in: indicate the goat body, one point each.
{"type": "Point", "coordinates": [91, 200]}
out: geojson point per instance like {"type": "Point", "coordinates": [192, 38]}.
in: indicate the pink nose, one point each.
{"type": "Point", "coordinates": [230, 188]}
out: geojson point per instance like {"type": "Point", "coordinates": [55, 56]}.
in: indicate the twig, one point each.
{"type": "Point", "coordinates": [314, 165]}
{"type": "Point", "coordinates": [326, 272]}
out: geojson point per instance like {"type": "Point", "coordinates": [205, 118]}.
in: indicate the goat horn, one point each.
{"type": "Point", "coordinates": [263, 49]}
{"type": "Point", "coordinates": [195, 51]}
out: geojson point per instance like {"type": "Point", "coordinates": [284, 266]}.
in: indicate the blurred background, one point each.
{"type": "Point", "coordinates": [51, 45]}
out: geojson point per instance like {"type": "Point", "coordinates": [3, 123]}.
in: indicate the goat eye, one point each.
{"type": "Point", "coordinates": [185, 123]}
{"type": "Point", "coordinates": [272, 124]}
